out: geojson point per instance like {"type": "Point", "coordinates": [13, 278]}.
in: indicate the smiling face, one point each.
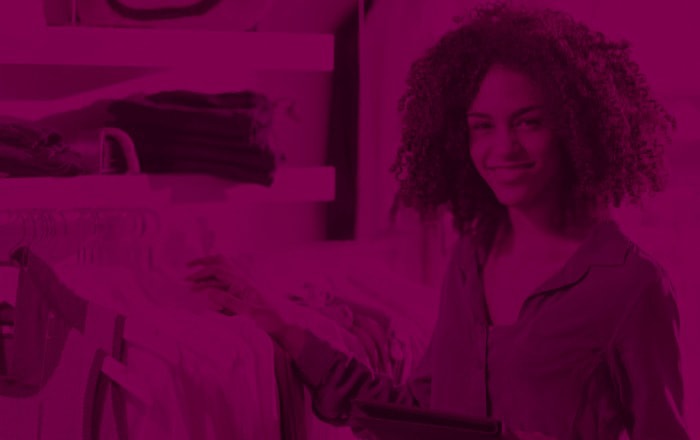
{"type": "Point", "coordinates": [512, 139]}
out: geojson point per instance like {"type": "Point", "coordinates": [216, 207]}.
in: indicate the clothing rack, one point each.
{"type": "Point", "coordinates": [106, 357]}
{"type": "Point", "coordinates": [123, 233]}
{"type": "Point", "coordinates": [36, 241]}
{"type": "Point", "coordinates": [91, 235]}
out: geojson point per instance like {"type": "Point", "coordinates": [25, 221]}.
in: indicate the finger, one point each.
{"type": "Point", "coordinates": [203, 261]}
{"type": "Point", "coordinates": [223, 300]}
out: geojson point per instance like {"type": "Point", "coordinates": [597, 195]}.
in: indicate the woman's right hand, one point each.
{"type": "Point", "coordinates": [231, 292]}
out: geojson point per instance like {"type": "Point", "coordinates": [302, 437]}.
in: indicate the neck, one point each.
{"type": "Point", "coordinates": [528, 230]}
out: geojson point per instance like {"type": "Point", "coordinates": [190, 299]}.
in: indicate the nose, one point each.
{"type": "Point", "coordinates": [506, 144]}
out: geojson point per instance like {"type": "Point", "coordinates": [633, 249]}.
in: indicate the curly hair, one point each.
{"type": "Point", "coordinates": [612, 131]}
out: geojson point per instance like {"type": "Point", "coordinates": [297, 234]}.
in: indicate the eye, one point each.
{"type": "Point", "coordinates": [530, 123]}
{"type": "Point", "coordinates": [481, 126]}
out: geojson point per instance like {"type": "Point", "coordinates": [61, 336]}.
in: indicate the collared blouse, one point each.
{"type": "Point", "coordinates": [594, 351]}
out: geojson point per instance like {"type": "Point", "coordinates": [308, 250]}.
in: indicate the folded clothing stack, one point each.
{"type": "Point", "coordinates": [224, 135]}
{"type": "Point", "coordinates": [30, 151]}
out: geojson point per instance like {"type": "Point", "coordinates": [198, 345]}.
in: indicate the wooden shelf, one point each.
{"type": "Point", "coordinates": [291, 185]}
{"type": "Point", "coordinates": [207, 50]}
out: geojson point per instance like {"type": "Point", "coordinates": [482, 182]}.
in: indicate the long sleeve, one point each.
{"type": "Point", "coordinates": [647, 366]}
{"type": "Point", "coordinates": [335, 380]}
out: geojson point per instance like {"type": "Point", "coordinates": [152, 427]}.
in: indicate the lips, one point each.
{"type": "Point", "coordinates": [510, 173]}
{"type": "Point", "coordinates": [512, 166]}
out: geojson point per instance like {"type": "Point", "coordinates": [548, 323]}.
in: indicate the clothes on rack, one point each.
{"type": "Point", "coordinates": [246, 390]}
{"type": "Point", "coordinates": [225, 135]}
{"type": "Point", "coordinates": [213, 376]}
{"type": "Point", "coordinates": [51, 382]}
{"type": "Point", "coordinates": [199, 393]}
{"type": "Point", "coordinates": [45, 311]}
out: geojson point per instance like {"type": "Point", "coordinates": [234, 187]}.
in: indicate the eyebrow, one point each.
{"type": "Point", "coordinates": [518, 113]}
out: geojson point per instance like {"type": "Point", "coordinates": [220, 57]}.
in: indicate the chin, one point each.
{"type": "Point", "coordinates": [513, 198]}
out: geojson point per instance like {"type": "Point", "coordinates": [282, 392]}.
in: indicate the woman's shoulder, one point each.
{"type": "Point", "coordinates": [643, 276]}
{"type": "Point", "coordinates": [611, 247]}
{"type": "Point", "coordinates": [621, 278]}
{"type": "Point", "coordinates": [650, 299]}
{"type": "Point", "coordinates": [650, 272]}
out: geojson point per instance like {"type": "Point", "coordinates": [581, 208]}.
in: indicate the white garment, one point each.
{"type": "Point", "coordinates": [219, 387]}
{"type": "Point", "coordinates": [210, 376]}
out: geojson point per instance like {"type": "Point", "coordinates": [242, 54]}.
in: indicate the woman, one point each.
{"type": "Point", "coordinates": [530, 127]}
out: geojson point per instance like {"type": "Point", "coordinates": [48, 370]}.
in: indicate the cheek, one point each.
{"type": "Point", "coordinates": [477, 153]}
{"type": "Point", "coordinates": [542, 148]}
{"type": "Point", "coordinates": [478, 149]}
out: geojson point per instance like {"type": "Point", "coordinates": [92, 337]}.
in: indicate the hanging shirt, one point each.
{"type": "Point", "coordinates": [594, 352]}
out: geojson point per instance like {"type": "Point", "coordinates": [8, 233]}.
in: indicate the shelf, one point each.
{"type": "Point", "coordinates": [291, 185]}
{"type": "Point", "coordinates": [191, 79]}
{"type": "Point", "coordinates": [207, 50]}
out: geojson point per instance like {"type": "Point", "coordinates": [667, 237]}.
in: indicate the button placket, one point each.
{"type": "Point", "coordinates": [482, 345]}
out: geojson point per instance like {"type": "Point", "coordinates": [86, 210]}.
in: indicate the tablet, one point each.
{"type": "Point", "coordinates": [383, 421]}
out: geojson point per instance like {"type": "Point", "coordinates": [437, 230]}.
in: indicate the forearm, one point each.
{"type": "Point", "coordinates": [336, 379]}
{"type": "Point", "coordinates": [333, 378]}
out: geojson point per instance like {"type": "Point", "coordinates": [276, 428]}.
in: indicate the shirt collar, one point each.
{"type": "Point", "coordinates": [607, 245]}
